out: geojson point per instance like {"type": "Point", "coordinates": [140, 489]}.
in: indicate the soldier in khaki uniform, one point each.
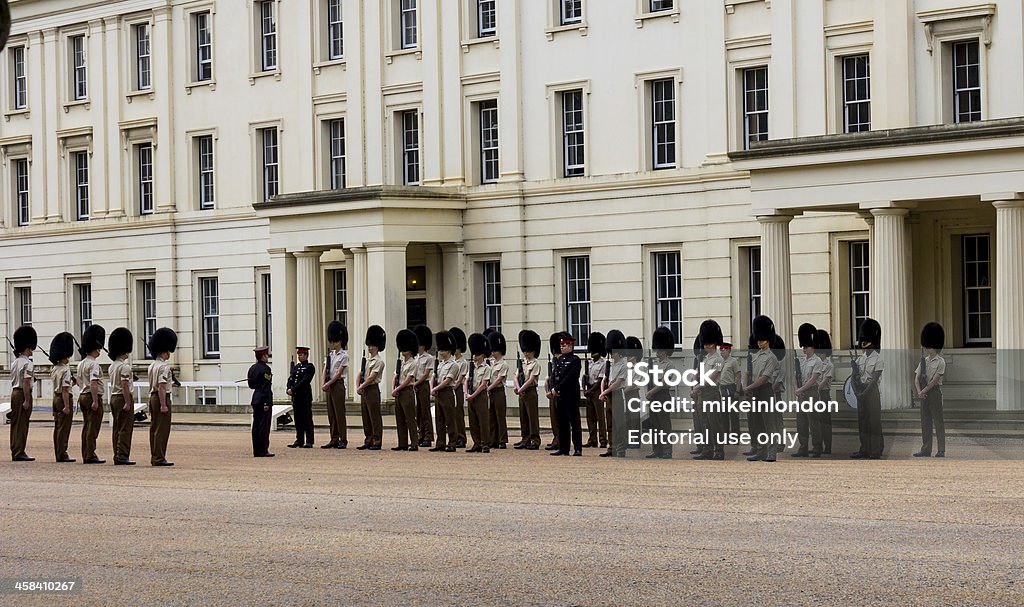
{"type": "Point", "coordinates": [22, 382]}
{"type": "Point", "coordinates": [710, 394]}
{"type": "Point", "coordinates": [727, 382]}
{"type": "Point", "coordinates": [161, 344]}
{"type": "Point", "coordinates": [496, 391]}
{"type": "Point", "coordinates": [61, 348]}
{"type": "Point", "coordinates": [525, 383]}
{"type": "Point", "coordinates": [122, 400]}
{"type": "Point", "coordinates": [90, 401]}
{"type": "Point", "coordinates": [334, 385]}
{"type": "Point", "coordinates": [444, 393]}
{"type": "Point", "coordinates": [613, 393]}
{"type": "Point", "coordinates": [869, 406]}
{"type": "Point", "coordinates": [369, 389]}
{"type": "Point", "coordinates": [405, 400]}
{"type": "Point", "coordinates": [555, 351]}
{"type": "Point", "coordinates": [663, 343]}
{"type": "Point", "coordinates": [476, 395]}
{"type": "Point", "coordinates": [460, 382]}
{"type": "Point", "coordinates": [764, 367]}
{"type": "Point", "coordinates": [808, 425]}
{"type": "Point", "coordinates": [823, 347]}
{"type": "Point", "coordinates": [424, 368]}
{"type": "Point", "coordinates": [592, 373]}
{"type": "Point", "coordinates": [928, 385]}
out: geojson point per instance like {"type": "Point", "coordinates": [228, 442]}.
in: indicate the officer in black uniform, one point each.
{"type": "Point", "coordinates": [566, 387]}
{"type": "Point", "coordinates": [301, 391]}
{"type": "Point", "coordinates": [262, 403]}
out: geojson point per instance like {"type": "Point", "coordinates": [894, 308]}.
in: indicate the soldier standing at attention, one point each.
{"type": "Point", "coordinates": [424, 367]}
{"type": "Point", "coordinates": [122, 399]}
{"type": "Point", "coordinates": [62, 346]}
{"type": "Point", "coordinates": [526, 387]}
{"type": "Point", "coordinates": [710, 393]}
{"type": "Point", "coordinates": [496, 391]}
{"type": "Point", "coordinates": [90, 401]}
{"type": "Point", "coordinates": [23, 380]}
{"type": "Point", "coordinates": [301, 390]}
{"type": "Point", "coordinates": [727, 382]}
{"type": "Point", "coordinates": [566, 389]}
{"type": "Point", "coordinates": [808, 425]}
{"type": "Point", "coordinates": [460, 393]}
{"type": "Point", "coordinates": [405, 400]}
{"type": "Point", "coordinates": [260, 380]}
{"type": "Point", "coordinates": [869, 405]}
{"type": "Point", "coordinates": [928, 385]}
{"type": "Point", "coordinates": [823, 347]}
{"type": "Point", "coordinates": [161, 344]}
{"type": "Point", "coordinates": [444, 394]}
{"type": "Point", "coordinates": [596, 422]}
{"type": "Point", "coordinates": [476, 395]}
{"type": "Point", "coordinates": [334, 385]}
{"type": "Point", "coordinates": [764, 367]}
{"type": "Point", "coordinates": [555, 351]}
{"type": "Point", "coordinates": [613, 393]}
{"type": "Point", "coordinates": [664, 344]}
{"type": "Point", "coordinates": [369, 389]}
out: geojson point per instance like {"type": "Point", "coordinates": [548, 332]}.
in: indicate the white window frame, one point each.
{"type": "Point", "coordinates": [78, 61]}
{"type": "Point", "coordinates": [490, 289]}
{"type": "Point", "coordinates": [860, 283]}
{"type": "Point", "coordinates": [410, 139]}
{"type": "Point", "coordinates": [23, 304]}
{"type": "Point", "coordinates": [335, 30]}
{"type": "Point", "coordinates": [339, 290]}
{"type": "Point", "coordinates": [986, 317]}
{"type": "Point", "coordinates": [489, 142]}
{"type": "Point", "coordinates": [206, 170]}
{"type": "Point", "coordinates": [203, 59]}
{"type": "Point", "coordinates": [335, 132]}
{"type": "Point", "coordinates": [573, 136]}
{"type": "Point", "coordinates": [19, 77]}
{"type": "Point", "coordinates": [851, 105]}
{"type": "Point", "coordinates": [486, 26]}
{"type": "Point", "coordinates": [408, 24]}
{"type": "Point", "coordinates": [664, 127]}
{"type": "Point", "coordinates": [668, 290]}
{"type": "Point", "coordinates": [145, 191]}
{"type": "Point", "coordinates": [80, 188]}
{"type": "Point", "coordinates": [270, 162]}
{"type": "Point", "coordinates": [268, 46]}
{"type": "Point", "coordinates": [143, 45]}
{"type": "Point", "coordinates": [208, 290]}
{"type": "Point", "coordinates": [961, 88]}
{"type": "Point", "coordinates": [576, 308]}
{"type": "Point", "coordinates": [83, 306]}
{"type": "Point", "coordinates": [264, 307]}
{"type": "Point", "coordinates": [657, 6]}
{"type": "Point", "coordinates": [570, 12]}
{"type": "Point", "coordinates": [21, 182]}
{"type": "Point", "coordinates": [147, 314]}
{"type": "Point", "coordinates": [748, 113]}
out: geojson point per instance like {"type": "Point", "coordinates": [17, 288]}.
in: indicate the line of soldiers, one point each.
{"type": "Point", "coordinates": [89, 376]}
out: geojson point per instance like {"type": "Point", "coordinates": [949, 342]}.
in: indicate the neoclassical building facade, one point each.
{"type": "Point", "coordinates": [246, 171]}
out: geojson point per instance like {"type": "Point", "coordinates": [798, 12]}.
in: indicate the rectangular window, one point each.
{"type": "Point", "coordinates": [408, 23]}
{"type": "Point", "coordinates": [143, 80]}
{"type": "Point", "coordinates": [80, 184]}
{"type": "Point", "coordinates": [486, 18]}
{"type": "Point", "coordinates": [860, 284]}
{"type": "Point", "coordinates": [570, 11]}
{"type": "Point", "coordinates": [206, 396]}
{"type": "Point", "coordinates": [204, 152]}
{"type": "Point", "coordinates": [340, 297]}
{"type": "Point", "coordinates": [268, 36]}
{"type": "Point", "coordinates": [83, 302]}
{"type": "Point", "coordinates": [147, 296]}
{"type": "Point", "coordinates": [660, 5]}
{"type": "Point", "coordinates": [755, 105]}
{"type": "Point", "coordinates": [79, 83]}
{"type": "Point", "coordinates": [754, 281]}
{"type": "Point", "coordinates": [144, 155]}
{"type": "Point", "coordinates": [24, 302]}
{"type": "Point", "coordinates": [410, 147]}
{"type": "Point", "coordinates": [335, 30]}
{"type": "Point", "coordinates": [856, 94]}
{"type": "Point", "coordinates": [977, 280]}
{"type": "Point", "coordinates": [577, 298]}
{"type": "Point", "coordinates": [663, 121]}
{"type": "Point", "coordinates": [488, 141]}
{"type": "Point", "coordinates": [19, 76]}
{"type": "Point", "coordinates": [268, 141]}
{"type": "Point", "coordinates": [336, 129]}
{"type": "Point", "coordinates": [966, 81]}
{"type": "Point", "coordinates": [492, 294]}
{"type": "Point", "coordinates": [668, 292]}
{"type": "Point", "coordinates": [267, 311]}
{"type": "Point", "coordinates": [21, 190]}
{"type": "Point", "coordinates": [572, 134]}
{"type": "Point", "coordinates": [211, 317]}
{"type": "Point", "coordinates": [204, 46]}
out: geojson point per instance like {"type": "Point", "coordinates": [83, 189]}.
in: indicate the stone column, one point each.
{"type": "Point", "coordinates": [776, 275]}
{"type": "Point", "coordinates": [385, 295]}
{"type": "Point", "coordinates": [1009, 310]}
{"type": "Point", "coordinates": [357, 296]}
{"type": "Point", "coordinates": [435, 288]}
{"type": "Point", "coordinates": [453, 260]}
{"type": "Point", "coordinates": [309, 316]}
{"type": "Point", "coordinates": [890, 304]}
{"type": "Point", "coordinates": [282, 293]}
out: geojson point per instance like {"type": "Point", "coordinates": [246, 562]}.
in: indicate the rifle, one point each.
{"type": "Point", "coordinates": [433, 378]}
{"type": "Point", "coordinates": [922, 378]}
{"type": "Point", "coordinates": [472, 367]}
{"type": "Point", "coordinates": [858, 388]}
{"type": "Point", "coordinates": [362, 368]}
{"type": "Point", "coordinates": [398, 370]}
{"type": "Point", "coordinates": [519, 367]}
{"type": "Point", "coordinates": [799, 376]}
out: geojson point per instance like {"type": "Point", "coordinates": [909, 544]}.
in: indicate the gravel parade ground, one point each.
{"type": "Point", "coordinates": [317, 527]}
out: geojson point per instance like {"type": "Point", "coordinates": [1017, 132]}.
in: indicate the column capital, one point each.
{"type": "Point", "coordinates": [776, 217]}
{"type": "Point", "coordinates": [995, 197]}
{"type": "Point", "coordinates": [384, 246]}
{"type": "Point", "coordinates": [1008, 204]}
{"type": "Point", "coordinates": [308, 254]}
{"type": "Point", "coordinates": [890, 212]}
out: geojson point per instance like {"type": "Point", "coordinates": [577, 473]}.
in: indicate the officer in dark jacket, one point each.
{"type": "Point", "coordinates": [302, 398]}
{"type": "Point", "coordinates": [566, 390]}
{"type": "Point", "coordinates": [262, 403]}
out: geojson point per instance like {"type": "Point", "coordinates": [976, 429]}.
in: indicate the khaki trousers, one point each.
{"type": "Point", "coordinates": [61, 427]}
{"type": "Point", "coordinates": [529, 418]}
{"type": "Point", "coordinates": [336, 413]}
{"type": "Point", "coordinates": [479, 422]}
{"type": "Point", "coordinates": [373, 424]}
{"type": "Point", "coordinates": [460, 415]}
{"type": "Point", "coordinates": [597, 423]}
{"type": "Point", "coordinates": [122, 428]}
{"type": "Point", "coordinates": [405, 418]}
{"type": "Point", "coordinates": [19, 423]}
{"type": "Point", "coordinates": [423, 411]}
{"type": "Point", "coordinates": [93, 421]}
{"type": "Point", "coordinates": [159, 428]}
{"type": "Point", "coordinates": [553, 420]}
{"type": "Point", "coordinates": [499, 423]}
{"type": "Point", "coordinates": [444, 403]}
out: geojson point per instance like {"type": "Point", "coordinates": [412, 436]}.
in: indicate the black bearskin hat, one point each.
{"type": "Point", "coordinates": [337, 332]}
{"type": "Point", "coordinates": [633, 345]}
{"type": "Point", "coordinates": [711, 333]}
{"type": "Point", "coordinates": [460, 338]}
{"type": "Point", "coordinates": [478, 345]}
{"type": "Point", "coordinates": [805, 335]}
{"type": "Point", "coordinates": [762, 328]}
{"type": "Point", "coordinates": [406, 341]}
{"type": "Point", "coordinates": [93, 338]}
{"type": "Point", "coordinates": [375, 336]}
{"type": "Point", "coordinates": [778, 347]}
{"type": "Point", "coordinates": [870, 333]}
{"type": "Point", "coordinates": [698, 347]}
{"type": "Point", "coordinates": [529, 341]}
{"type": "Point", "coordinates": [615, 341]}
{"type": "Point", "coordinates": [663, 340]}
{"type": "Point", "coordinates": [61, 346]}
{"type": "Point", "coordinates": [497, 342]}
{"type": "Point", "coordinates": [119, 343]}
{"type": "Point", "coordinates": [933, 336]}
{"type": "Point", "coordinates": [424, 335]}
{"type": "Point", "coordinates": [822, 342]}
{"type": "Point", "coordinates": [445, 342]}
{"type": "Point", "coordinates": [25, 338]}
{"type": "Point", "coordinates": [555, 343]}
{"type": "Point", "coordinates": [596, 344]}
{"type": "Point", "coordinates": [163, 340]}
